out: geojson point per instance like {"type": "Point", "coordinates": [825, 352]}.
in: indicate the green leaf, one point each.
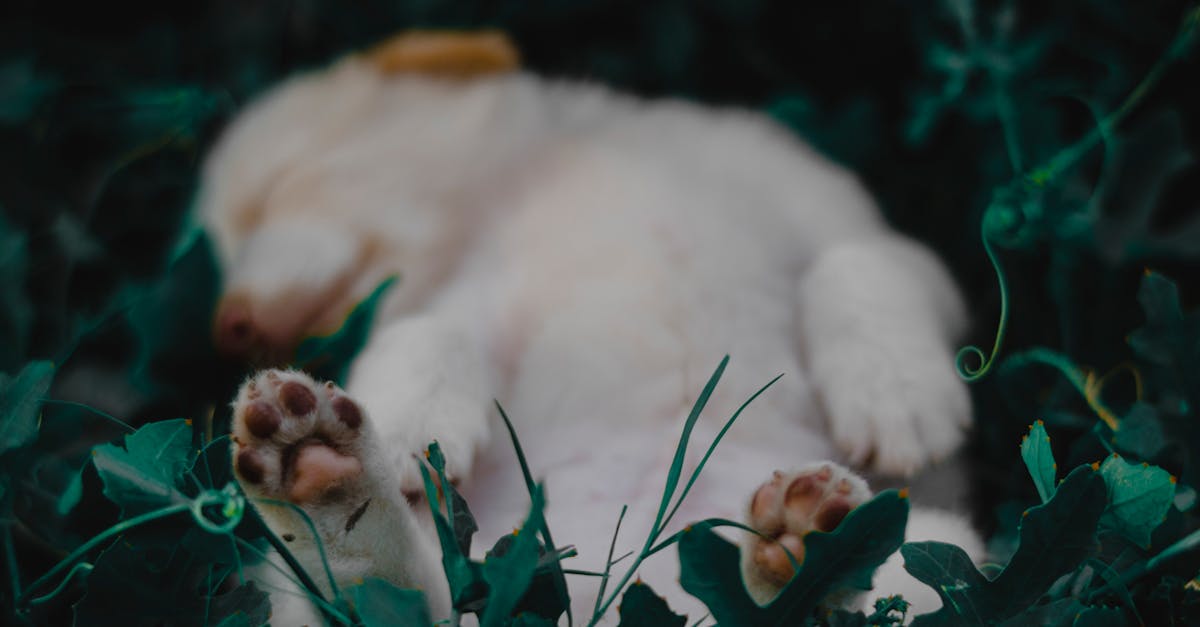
{"type": "Point", "coordinates": [172, 322]}
{"type": "Point", "coordinates": [244, 605]}
{"type": "Point", "coordinates": [21, 402]}
{"type": "Point", "coordinates": [843, 618]}
{"type": "Point", "coordinates": [1060, 612]}
{"type": "Point", "coordinates": [378, 603]}
{"type": "Point", "coordinates": [1055, 538]}
{"type": "Point", "coordinates": [1139, 167]}
{"type": "Point", "coordinates": [530, 619]}
{"type": "Point", "coordinates": [949, 571]}
{"type": "Point", "coordinates": [1039, 459]}
{"type": "Point", "coordinates": [844, 558]}
{"type": "Point", "coordinates": [22, 90]}
{"type": "Point", "coordinates": [548, 592]}
{"type": "Point", "coordinates": [71, 496]}
{"type": "Point", "coordinates": [1139, 496]}
{"type": "Point", "coordinates": [462, 521]}
{"type": "Point", "coordinates": [329, 357]}
{"type": "Point", "coordinates": [509, 575]}
{"type": "Point", "coordinates": [467, 586]}
{"type": "Point", "coordinates": [147, 472]}
{"type": "Point", "coordinates": [642, 607]}
{"type": "Point", "coordinates": [1169, 338]}
{"type": "Point", "coordinates": [848, 556]}
{"type": "Point", "coordinates": [1101, 617]}
{"type": "Point", "coordinates": [709, 569]}
{"type": "Point", "coordinates": [17, 313]}
{"type": "Point", "coordinates": [135, 582]}
{"type": "Point", "coordinates": [1140, 432]}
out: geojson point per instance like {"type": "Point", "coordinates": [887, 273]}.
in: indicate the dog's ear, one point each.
{"type": "Point", "coordinates": [452, 54]}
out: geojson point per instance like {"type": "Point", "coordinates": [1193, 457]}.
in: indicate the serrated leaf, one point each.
{"type": "Point", "coordinates": [379, 603]}
{"type": "Point", "coordinates": [1101, 617]}
{"type": "Point", "coordinates": [1139, 496]}
{"type": "Point", "coordinates": [949, 571]}
{"type": "Point", "coordinates": [21, 403]}
{"type": "Point", "coordinates": [642, 607]}
{"type": "Point", "coordinates": [1055, 538]}
{"type": "Point", "coordinates": [709, 569]}
{"type": "Point", "coordinates": [844, 558]}
{"type": "Point", "coordinates": [848, 556]}
{"type": "Point", "coordinates": [147, 472]}
{"type": "Point", "coordinates": [509, 575]}
{"type": "Point", "coordinates": [1039, 459]}
{"type": "Point", "coordinates": [329, 357]}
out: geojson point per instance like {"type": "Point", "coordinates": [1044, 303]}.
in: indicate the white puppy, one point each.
{"type": "Point", "coordinates": [586, 258]}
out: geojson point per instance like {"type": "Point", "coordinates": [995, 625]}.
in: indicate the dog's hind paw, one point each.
{"type": "Point", "coordinates": [785, 509]}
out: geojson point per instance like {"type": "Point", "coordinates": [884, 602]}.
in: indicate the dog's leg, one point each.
{"type": "Point", "coordinates": [300, 444]}
{"type": "Point", "coordinates": [877, 319]}
{"type": "Point", "coordinates": [423, 380]}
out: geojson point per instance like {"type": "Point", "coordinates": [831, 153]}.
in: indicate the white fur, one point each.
{"type": "Point", "coordinates": [586, 258]}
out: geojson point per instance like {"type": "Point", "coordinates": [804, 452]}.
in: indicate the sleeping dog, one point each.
{"type": "Point", "coordinates": [585, 257]}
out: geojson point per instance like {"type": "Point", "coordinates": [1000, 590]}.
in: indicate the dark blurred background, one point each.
{"type": "Point", "coordinates": [106, 110]}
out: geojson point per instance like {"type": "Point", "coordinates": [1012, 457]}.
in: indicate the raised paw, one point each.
{"type": "Point", "coordinates": [296, 440]}
{"type": "Point", "coordinates": [907, 411]}
{"type": "Point", "coordinates": [299, 444]}
{"type": "Point", "coordinates": [786, 508]}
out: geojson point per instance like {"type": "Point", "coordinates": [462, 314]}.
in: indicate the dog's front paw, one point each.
{"type": "Point", "coordinates": [784, 510]}
{"type": "Point", "coordinates": [299, 442]}
{"type": "Point", "coordinates": [302, 446]}
{"type": "Point", "coordinates": [891, 410]}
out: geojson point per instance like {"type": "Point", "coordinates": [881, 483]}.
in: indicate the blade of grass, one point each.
{"type": "Point", "coordinates": [681, 450]}
{"type": "Point", "coordinates": [669, 489]}
{"type": "Point", "coordinates": [712, 447]}
{"type": "Point", "coordinates": [560, 581]}
{"type": "Point", "coordinates": [608, 562]}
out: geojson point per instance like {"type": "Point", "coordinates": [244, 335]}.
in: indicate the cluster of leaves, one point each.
{"type": "Point", "coordinates": [957, 122]}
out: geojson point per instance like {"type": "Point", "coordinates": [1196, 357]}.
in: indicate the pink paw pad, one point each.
{"type": "Point", "coordinates": [790, 506]}
{"type": "Point", "coordinates": [295, 440]}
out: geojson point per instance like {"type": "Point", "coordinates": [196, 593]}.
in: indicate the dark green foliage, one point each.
{"type": "Point", "coordinates": [328, 358]}
{"type": "Point", "coordinates": [20, 403]}
{"type": "Point", "coordinates": [1039, 459]}
{"type": "Point", "coordinates": [170, 320]}
{"type": "Point", "coordinates": [642, 607]}
{"type": "Point", "coordinates": [381, 604]}
{"type": "Point", "coordinates": [1054, 539]}
{"type": "Point", "coordinates": [148, 472]}
{"type": "Point", "coordinates": [1138, 498]}
{"type": "Point", "coordinates": [960, 116]}
{"type": "Point", "coordinates": [843, 559]}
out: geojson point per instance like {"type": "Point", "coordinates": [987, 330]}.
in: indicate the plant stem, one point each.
{"type": "Point", "coordinates": [112, 531]}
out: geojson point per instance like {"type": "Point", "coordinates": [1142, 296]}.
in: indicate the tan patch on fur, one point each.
{"type": "Point", "coordinates": [453, 54]}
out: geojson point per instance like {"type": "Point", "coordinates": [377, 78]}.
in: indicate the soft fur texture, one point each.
{"type": "Point", "coordinates": [586, 258]}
